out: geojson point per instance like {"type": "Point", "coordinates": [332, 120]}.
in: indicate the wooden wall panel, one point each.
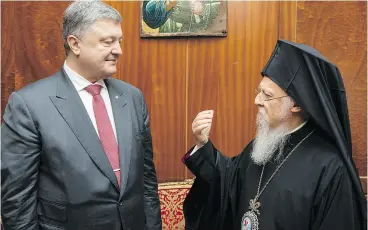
{"type": "Point", "coordinates": [339, 31]}
{"type": "Point", "coordinates": [31, 43]}
{"type": "Point", "coordinates": [287, 20]}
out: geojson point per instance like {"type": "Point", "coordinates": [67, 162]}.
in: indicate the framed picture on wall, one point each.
{"type": "Point", "coordinates": [168, 18]}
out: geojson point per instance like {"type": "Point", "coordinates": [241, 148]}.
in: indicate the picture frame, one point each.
{"type": "Point", "coordinates": [164, 18]}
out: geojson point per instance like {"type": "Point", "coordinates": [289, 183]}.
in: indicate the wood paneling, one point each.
{"type": "Point", "coordinates": [287, 20]}
{"type": "Point", "coordinates": [31, 43]}
{"type": "Point", "coordinates": [339, 31]}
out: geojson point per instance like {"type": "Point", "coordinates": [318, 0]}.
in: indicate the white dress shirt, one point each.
{"type": "Point", "coordinates": [80, 83]}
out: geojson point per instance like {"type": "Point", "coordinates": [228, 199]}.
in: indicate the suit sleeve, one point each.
{"type": "Point", "coordinates": [20, 155]}
{"type": "Point", "coordinates": [151, 200]}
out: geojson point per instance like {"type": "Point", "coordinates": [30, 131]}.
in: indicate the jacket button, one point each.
{"type": "Point", "coordinates": [121, 204]}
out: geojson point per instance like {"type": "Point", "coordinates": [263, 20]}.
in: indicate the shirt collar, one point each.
{"type": "Point", "coordinates": [79, 82]}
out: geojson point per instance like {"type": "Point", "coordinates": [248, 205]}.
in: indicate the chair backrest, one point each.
{"type": "Point", "coordinates": [172, 196]}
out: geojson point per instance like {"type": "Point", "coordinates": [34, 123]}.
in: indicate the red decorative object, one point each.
{"type": "Point", "coordinates": [172, 196]}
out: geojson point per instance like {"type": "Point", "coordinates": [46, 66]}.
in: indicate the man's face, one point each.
{"type": "Point", "coordinates": [273, 121]}
{"type": "Point", "coordinates": [271, 103]}
{"type": "Point", "coordinates": [100, 49]}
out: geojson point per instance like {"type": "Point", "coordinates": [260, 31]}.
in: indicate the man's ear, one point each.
{"type": "Point", "coordinates": [296, 109]}
{"type": "Point", "coordinates": [74, 44]}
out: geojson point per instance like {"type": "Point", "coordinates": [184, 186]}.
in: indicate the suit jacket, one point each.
{"type": "Point", "coordinates": [55, 173]}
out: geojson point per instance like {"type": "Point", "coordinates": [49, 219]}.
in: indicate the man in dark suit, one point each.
{"type": "Point", "coordinates": [76, 146]}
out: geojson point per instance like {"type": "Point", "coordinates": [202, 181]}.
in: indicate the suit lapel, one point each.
{"type": "Point", "coordinates": [123, 124]}
{"type": "Point", "coordinates": [71, 108]}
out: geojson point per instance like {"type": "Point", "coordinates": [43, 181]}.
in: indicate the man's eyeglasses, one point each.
{"type": "Point", "coordinates": [264, 97]}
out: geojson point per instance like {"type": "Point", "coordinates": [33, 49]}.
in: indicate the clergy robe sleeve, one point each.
{"type": "Point", "coordinates": [208, 197]}
{"type": "Point", "coordinates": [335, 205]}
{"type": "Point", "coordinates": [203, 162]}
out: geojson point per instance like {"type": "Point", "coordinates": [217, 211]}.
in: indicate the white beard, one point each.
{"type": "Point", "coordinates": [270, 141]}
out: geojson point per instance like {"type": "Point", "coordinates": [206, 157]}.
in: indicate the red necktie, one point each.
{"type": "Point", "coordinates": [105, 130]}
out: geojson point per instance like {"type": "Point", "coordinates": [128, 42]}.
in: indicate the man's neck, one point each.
{"type": "Point", "coordinates": [296, 124]}
{"type": "Point", "coordinates": [75, 67]}
{"type": "Point", "coordinates": [298, 127]}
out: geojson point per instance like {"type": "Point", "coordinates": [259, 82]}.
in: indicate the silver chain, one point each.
{"type": "Point", "coordinates": [277, 169]}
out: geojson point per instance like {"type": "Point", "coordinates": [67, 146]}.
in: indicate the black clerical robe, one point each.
{"type": "Point", "coordinates": [312, 189]}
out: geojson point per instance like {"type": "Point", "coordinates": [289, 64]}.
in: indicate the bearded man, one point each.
{"type": "Point", "coordinates": [298, 172]}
